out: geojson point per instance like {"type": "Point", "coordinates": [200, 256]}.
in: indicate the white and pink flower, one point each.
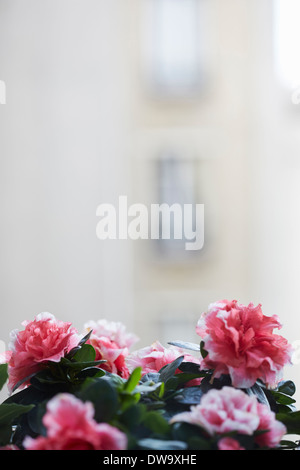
{"type": "Point", "coordinates": [153, 358]}
{"type": "Point", "coordinates": [240, 342]}
{"type": "Point", "coordinates": [70, 425]}
{"type": "Point", "coordinates": [232, 410]}
{"type": "Point", "coordinates": [113, 356]}
{"type": "Point", "coordinates": [276, 429]}
{"type": "Point", "coordinates": [111, 342]}
{"type": "Point", "coordinates": [115, 331]}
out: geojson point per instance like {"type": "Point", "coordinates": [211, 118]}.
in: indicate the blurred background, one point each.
{"type": "Point", "coordinates": [163, 101]}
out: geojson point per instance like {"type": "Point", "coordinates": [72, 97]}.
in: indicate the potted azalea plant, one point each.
{"type": "Point", "coordinates": [93, 391]}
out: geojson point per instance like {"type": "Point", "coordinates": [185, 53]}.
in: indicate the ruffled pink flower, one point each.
{"type": "Point", "coordinates": [70, 426]}
{"type": "Point", "coordinates": [232, 410]}
{"type": "Point", "coordinates": [276, 429]}
{"type": "Point", "coordinates": [111, 342]}
{"type": "Point", "coordinates": [44, 339]}
{"type": "Point", "coordinates": [113, 356]}
{"type": "Point", "coordinates": [115, 331]}
{"type": "Point", "coordinates": [153, 358]}
{"type": "Point", "coordinates": [228, 443]}
{"type": "Point", "coordinates": [223, 411]}
{"type": "Point", "coordinates": [240, 342]}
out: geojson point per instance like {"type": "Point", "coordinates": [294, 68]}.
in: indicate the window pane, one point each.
{"type": "Point", "coordinates": [173, 52]}
{"type": "Point", "coordinates": [287, 41]}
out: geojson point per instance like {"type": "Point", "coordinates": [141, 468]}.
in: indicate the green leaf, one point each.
{"type": "Point", "coordinates": [288, 387]}
{"type": "Point", "coordinates": [117, 381]}
{"type": "Point", "coordinates": [28, 396]}
{"type": "Point", "coordinates": [199, 443]}
{"type": "Point", "coordinates": [3, 375]}
{"type": "Point", "coordinates": [78, 365]}
{"type": "Point", "coordinates": [159, 444]}
{"type": "Point", "coordinates": [156, 422]}
{"type": "Point", "coordinates": [45, 376]}
{"type": "Point", "coordinates": [282, 398]}
{"type": "Point", "coordinates": [194, 435]}
{"type": "Point", "coordinates": [103, 395]}
{"type": "Point", "coordinates": [257, 391]}
{"type": "Point", "coordinates": [35, 418]}
{"type": "Point", "coordinates": [161, 390]}
{"type": "Point", "coordinates": [185, 377]}
{"type": "Point", "coordinates": [189, 396]}
{"type": "Point", "coordinates": [153, 377]}
{"type": "Point", "coordinates": [171, 384]}
{"type": "Point", "coordinates": [203, 352]}
{"type": "Point", "coordinates": [148, 387]}
{"type": "Point", "coordinates": [285, 408]}
{"type": "Point", "coordinates": [85, 338]}
{"type": "Point", "coordinates": [191, 368]}
{"type": "Point", "coordinates": [185, 345]}
{"type": "Point", "coordinates": [132, 417]}
{"type": "Point", "coordinates": [128, 400]}
{"type": "Point", "coordinates": [85, 354]}
{"type": "Point", "coordinates": [25, 379]}
{"type": "Point", "coordinates": [169, 370]}
{"type": "Point", "coordinates": [5, 435]}
{"type": "Point", "coordinates": [90, 372]}
{"type": "Point", "coordinates": [285, 444]}
{"type": "Point", "coordinates": [9, 412]}
{"type": "Point", "coordinates": [133, 380]}
{"type": "Point", "coordinates": [291, 421]}
{"type": "Point", "coordinates": [80, 344]}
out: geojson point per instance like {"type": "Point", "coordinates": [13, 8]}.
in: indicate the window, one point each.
{"type": "Point", "coordinates": [172, 51]}
{"type": "Point", "coordinates": [176, 188]}
{"type": "Point", "coordinates": [287, 42]}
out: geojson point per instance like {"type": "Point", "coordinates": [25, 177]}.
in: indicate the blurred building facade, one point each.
{"type": "Point", "coordinates": [111, 98]}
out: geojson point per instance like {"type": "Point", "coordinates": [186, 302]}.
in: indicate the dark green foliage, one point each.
{"type": "Point", "coordinates": [140, 406]}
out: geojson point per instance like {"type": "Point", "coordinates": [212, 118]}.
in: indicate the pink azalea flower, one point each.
{"type": "Point", "coordinates": [223, 411]}
{"type": "Point", "coordinates": [276, 429]}
{"type": "Point", "coordinates": [70, 426]}
{"type": "Point", "coordinates": [44, 339]}
{"type": "Point", "coordinates": [115, 331]}
{"type": "Point", "coordinates": [153, 358]}
{"type": "Point", "coordinates": [240, 342]}
{"type": "Point", "coordinates": [228, 443]}
{"type": "Point", "coordinates": [232, 410]}
{"type": "Point", "coordinates": [113, 356]}
{"type": "Point", "coordinates": [111, 342]}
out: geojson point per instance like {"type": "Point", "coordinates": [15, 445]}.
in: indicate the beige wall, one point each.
{"type": "Point", "coordinates": [79, 128]}
{"type": "Point", "coordinates": [64, 135]}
